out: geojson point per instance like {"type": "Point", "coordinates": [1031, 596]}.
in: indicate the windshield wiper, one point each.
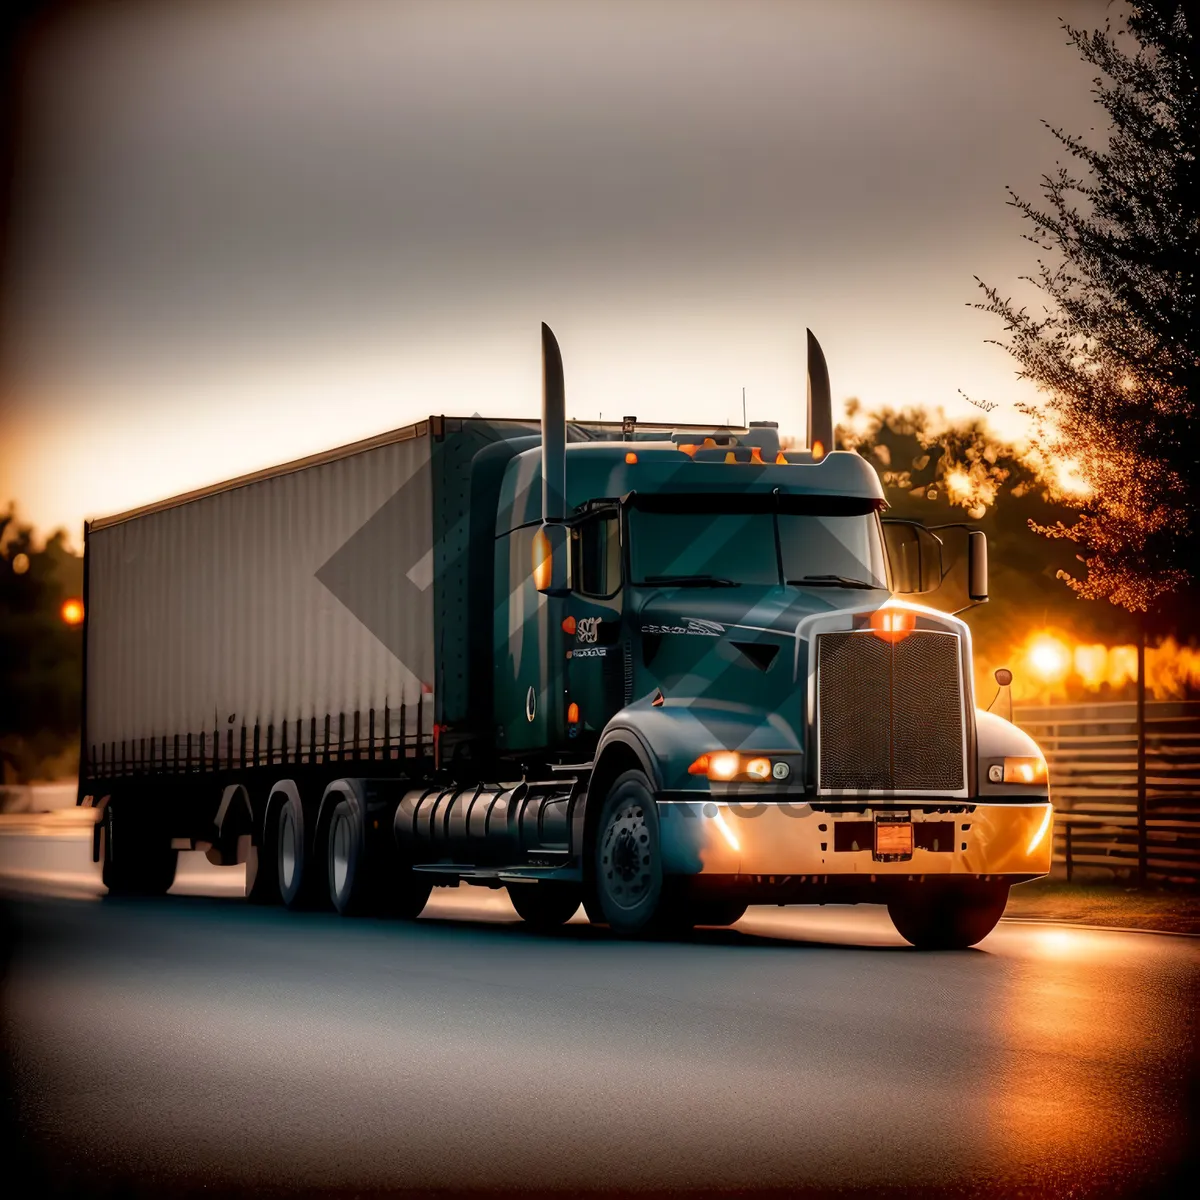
{"type": "Point", "coordinates": [834, 581]}
{"type": "Point", "coordinates": [693, 580]}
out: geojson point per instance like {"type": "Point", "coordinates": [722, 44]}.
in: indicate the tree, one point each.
{"type": "Point", "coordinates": [1117, 352]}
{"type": "Point", "coordinates": [41, 656]}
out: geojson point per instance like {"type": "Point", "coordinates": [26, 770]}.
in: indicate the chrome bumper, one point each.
{"type": "Point", "coordinates": [734, 837]}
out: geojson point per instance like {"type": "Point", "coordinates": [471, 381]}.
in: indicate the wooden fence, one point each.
{"type": "Point", "coordinates": [1125, 801]}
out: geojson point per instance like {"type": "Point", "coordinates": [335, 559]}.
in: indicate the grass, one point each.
{"type": "Point", "coordinates": [1114, 904]}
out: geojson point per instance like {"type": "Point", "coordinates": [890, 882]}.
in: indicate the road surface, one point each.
{"type": "Point", "coordinates": [195, 1043]}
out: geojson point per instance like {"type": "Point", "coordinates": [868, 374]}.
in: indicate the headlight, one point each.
{"type": "Point", "coordinates": [1018, 770]}
{"type": "Point", "coordinates": [727, 765]}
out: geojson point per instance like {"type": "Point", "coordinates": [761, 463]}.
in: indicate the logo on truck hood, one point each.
{"type": "Point", "coordinates": [695, 626]}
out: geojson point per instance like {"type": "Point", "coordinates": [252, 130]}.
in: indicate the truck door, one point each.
{"type": "Point", "coordinates": [592, 624]}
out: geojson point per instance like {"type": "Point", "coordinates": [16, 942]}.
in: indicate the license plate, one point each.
{"type": "Point", "coordinates": [893, 839]}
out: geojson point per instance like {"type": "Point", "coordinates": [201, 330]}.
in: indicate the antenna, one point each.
{"type": "Point", "coordinates": [744, 408]}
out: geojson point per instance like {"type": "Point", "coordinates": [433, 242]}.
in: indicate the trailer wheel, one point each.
{"type": "Point", "coordinates": [136, 856]}
{"type": "Point", "coordinates": [628, 860]}
{"type": "Point", "coordinates": [298, 887]}
{"type": "Point", "coordinates": [948, 918]}
{"type": "Point", "coordinates": [545, 905]}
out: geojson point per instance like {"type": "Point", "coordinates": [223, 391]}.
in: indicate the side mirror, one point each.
{"type": "Point", "coordinates": [915, 555]}
{"type": "Point", "coordinates": [551, 559]}
{"type": "Point", "coordinates": [977, 568]}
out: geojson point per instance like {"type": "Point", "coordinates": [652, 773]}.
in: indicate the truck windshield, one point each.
{"type": "Point", "coordinates": [726, 541]}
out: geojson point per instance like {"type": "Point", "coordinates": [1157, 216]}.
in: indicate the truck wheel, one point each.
{"type": "Point", "coordinates": [136, 857]}
{"type": "Point", "coordinates": [717, 912]}
{"type": "Point", "coordinates": [628, 861]}
{"type": "Point", "coordinates": [294, 867]}
{"type": "Point", "coordinates": [948, 918]}
{"type": "Point", "coordinates": [346, 857]}
{"type": "Point", "coordinates": [544, 905]}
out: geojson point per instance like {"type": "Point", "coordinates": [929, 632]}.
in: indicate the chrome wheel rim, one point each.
{"type": "Point", "coordinates": [626, 861]}
{"type": "Point", "coordinates": [341, 854]}
{"type": "Point", "coordinates": [287, 848]}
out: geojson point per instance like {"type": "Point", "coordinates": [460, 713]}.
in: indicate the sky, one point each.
{"type": "Point", "coordinates": [241, 233]}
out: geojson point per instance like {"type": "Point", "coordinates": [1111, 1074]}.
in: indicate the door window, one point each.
{"type": "Point", "coordinates": [596, 555]}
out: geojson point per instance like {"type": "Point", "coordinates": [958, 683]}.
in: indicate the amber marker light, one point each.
{"type": "Point", "coordinates": [781, 459]}
{"type": "Point", "coordinates": [631, 458]}
{"type": "Point", "coordinates": [568, 625]}
{"type": "Point", "coordinates": [572, 713]}
{"type": "Point", "coordinates": [892, 624]}
{"type": "Point", "coordinates": [1041, 833]}
{"type": "Point", "coordinates": [689, 449]}
{"type": "Point", "coordinates": [72, 612]}
{"type": "Point", "coordinates": [1024, 770]}
{"type": "Point", "coordinates": [756, 455]}
{"type": "Point", "coordinates": [818, 450]}
{"type": "Point", "coordinates": [542, 560]}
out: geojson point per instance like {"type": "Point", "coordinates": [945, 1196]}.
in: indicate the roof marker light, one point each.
{"type": "Point", "coordinates": [818, 451]}
{"type": "Point", "coordinates": [756, 455]}
{"type": "Point", "coordinates": [631, 457]}
{"type": "Point", "coordinates": [781, 459]}
{"type": "Point", "coordinates": [689, 449]}
{"type": "Point", "coordinates": [730, 457]}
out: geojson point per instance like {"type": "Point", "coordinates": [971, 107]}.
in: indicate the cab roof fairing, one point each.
{"type": "Point", "coordinates": [599, 470]}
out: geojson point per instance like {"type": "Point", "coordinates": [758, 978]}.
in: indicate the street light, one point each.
{"type": "Point", "coordinates": [72, 611]}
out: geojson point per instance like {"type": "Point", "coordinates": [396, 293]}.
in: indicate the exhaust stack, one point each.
{"type": "Point", "coordinates": [554, 430]}
{"type": "Point", "coordinates": [820, 402]}
{"type": "Point", "coordinates": [551, 554]}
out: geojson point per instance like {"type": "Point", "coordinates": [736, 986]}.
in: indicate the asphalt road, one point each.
{"type": "Point", "coordinates": [159, 1046]}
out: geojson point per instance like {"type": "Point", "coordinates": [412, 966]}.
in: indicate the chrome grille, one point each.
{"type": "Point", "coordinates": [889, 715]}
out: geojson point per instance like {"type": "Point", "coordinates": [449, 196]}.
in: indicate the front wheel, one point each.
{"type": "Point", "coordinates": [544, 905]}
{"type": "Point", "coordinates": [627, 865]}
{"type": "Point", "coordinates": [950, 917]}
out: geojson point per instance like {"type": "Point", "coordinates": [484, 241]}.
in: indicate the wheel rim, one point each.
{"type": "Point", "coordinates": [287, 848]}
{"type": "Point", "coordinates": [626, 861]}
{"type": "Point", "coordinates": [341, 854]}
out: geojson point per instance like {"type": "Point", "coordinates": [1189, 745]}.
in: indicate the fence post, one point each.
{"type": "Point", "coordinates": [1141, 753]}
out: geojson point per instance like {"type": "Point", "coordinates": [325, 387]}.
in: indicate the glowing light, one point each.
{"type": "Point", "coordinates": [892, 624]}
{"type": "Point", "coordinates": [568, 625]}
{"type": "Point", "coordinates": [1049, 658]}
{"type": "Point", "coordinates": [730, 457]}
{"type": "Point", "coordinates": [689, 449]}
{"type": "Point", "coordinates": [756, 455]}
{"type": "Point", "coordinates": [72, 611]}
{"type": "Point", "coordinates": [781, 459]}
{"type": "Point", "coordinates": [723, 766]}
{"type": "Point", "coordinates": [759, 768]}
{"type": "Point", "coordinates": [818, 450]}
{"type": "Point", "coordinates": [542, 560]}
{"type": "Point", "coordinates": [20, 564]}
{"type": "Point", "coordinates": [1025, 770]}
{"type": "Point", "coordinates": [719, 821]}
{"type": "Point", "coordinates": [631, 458]}
{"type": "Point", "coordinates": [572, 713]}
{"type": "Point", "coordinates": [1036, 840]}
{"type": "Point", "coordinates": [958, 484]}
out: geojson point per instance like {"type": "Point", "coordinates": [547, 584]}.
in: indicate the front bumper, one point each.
{"type": "Point", "coordinates": [737, 838]}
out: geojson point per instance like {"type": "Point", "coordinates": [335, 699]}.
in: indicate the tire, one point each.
{"type": "Point", "coordinates": [627, 860]}
{"type": "Point", "coordinates": [299, 879]}
{"type": "Point", "coordinates": [136, 854]}
{"type": "Point", "coordinates": [948, 918]}
{"type": "Point", "coordinates": [369, 879]}
{"type": "Point", "coordinates": [545, 905]}
{"type": "Point", "coordinates": [346, 867]}
{"type": "Point", "coordinates": [717, 912]}
{"type": "Point", "coordinates": [262, 868]}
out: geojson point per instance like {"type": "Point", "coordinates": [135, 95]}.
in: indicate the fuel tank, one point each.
{"type": "Point", "coordinates": [493, 824]}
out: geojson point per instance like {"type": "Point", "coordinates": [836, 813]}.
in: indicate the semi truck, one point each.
{"type": "Point", "coordinates": [659, 672]}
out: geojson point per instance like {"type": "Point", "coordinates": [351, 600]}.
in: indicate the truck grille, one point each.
{"type": "Point", "coordinates": [889, 714]}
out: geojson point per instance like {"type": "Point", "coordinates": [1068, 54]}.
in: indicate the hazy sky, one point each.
{"type": "Point", "coordinates": [243, 232]}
